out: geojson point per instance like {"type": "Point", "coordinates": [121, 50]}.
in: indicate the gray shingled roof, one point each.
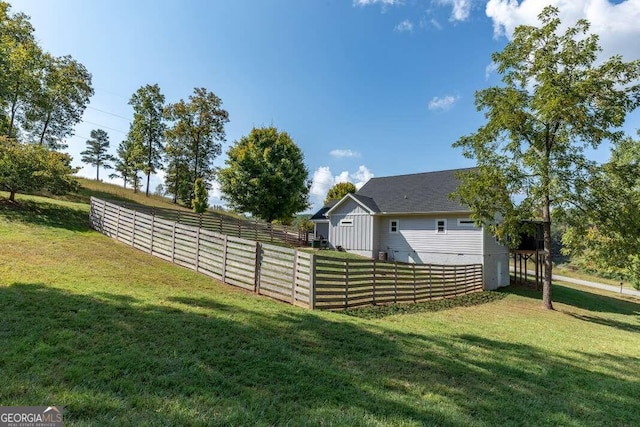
{"type": "Point", "coordinates": [415, 193]}
{"type": "Point", "coordinates": [323, 210]}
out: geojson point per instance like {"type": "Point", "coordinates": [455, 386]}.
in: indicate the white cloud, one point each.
{"type": "Point", "coordinates": [460, 9]}
{"type": "Point", "coordinates": [616, 24]}
{"type": "Point", "coordinates": [382, 2]}
{"type": "Point", "coordinates": [490, 69]}
{"type": "Point", "coordinates": [361, 176]}
{"type": "Point", "coordinates": [323, 180]}
{"type": "Point", "coordinates": [436, 24]}
{"type": "Point", "coordinates": [444, 103]}
{"type": "Point", "coordinates": [404, 26]}
{"type": "Point", "coordinates": [343, 153]}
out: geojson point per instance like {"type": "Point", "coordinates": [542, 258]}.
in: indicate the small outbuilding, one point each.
{"type": "Point", "coordinates": [411, 218]}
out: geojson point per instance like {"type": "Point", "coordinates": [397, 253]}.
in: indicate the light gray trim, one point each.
{"type": "Point", "coordinates": [349, 196]}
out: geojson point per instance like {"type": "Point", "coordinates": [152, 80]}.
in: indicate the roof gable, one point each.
{"type": "Point", "coordinates": [365, 202]}
{"type": "Point", "coordinates": [414, 193]}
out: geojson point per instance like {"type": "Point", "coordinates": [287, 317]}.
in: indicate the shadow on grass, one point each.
{"type": "Point", "coordinates": [44, 214]}
{"type": "Point", "coordinates": [580, 299]}
{"type": "Point", "coordinates": [110, 362]}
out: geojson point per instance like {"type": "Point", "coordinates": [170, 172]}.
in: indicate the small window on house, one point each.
{"type": "Point", "coordinates": [441, 226]}
{"type": "Point", "coordinates": [347, 222]}
{"type": "Point", "coordinates": [394, 226]}
{"type": "Point", "coordinates": [466, 222]}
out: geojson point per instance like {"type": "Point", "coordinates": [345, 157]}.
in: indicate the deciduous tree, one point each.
{"type": "Point", "coordinates": [201, 196]}
{"type": "Point", "coordinates": [265, 175]}
{"type": "Point", "coordinates": [29, 167]}
{"type": "Point", "coordinates": [604, 226]}
{"type": "Point", "coordinates": [197, 132]}
{"type": "Point", "coordinates": [339, 190]}
{"type": "Point", "coordinates": [148, 127]}
{"type": "Point", "coordinates": [129, 163]}
{"type": "Point", "coordinates": [557, 99]}
{"type": "Point", "coordinates": [58, 105]}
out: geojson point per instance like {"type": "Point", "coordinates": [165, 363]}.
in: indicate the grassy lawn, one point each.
{"type": "Point", "coordinates": [121, 338]}
{"type": "Point", "coordinates": [564, 270]}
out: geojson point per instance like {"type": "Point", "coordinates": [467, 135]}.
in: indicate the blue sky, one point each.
{"type": "Point", "coordinates": [365, 88]}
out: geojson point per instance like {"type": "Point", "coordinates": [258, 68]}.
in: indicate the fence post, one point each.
{"type": "Point", "coordinates": [104, 211]}
{"type": "Point", "coordinates": [173, 242]}
{"type": "Point", "coordinates": [414, 283]}
{"type": "Point", "coordinates": [224, 259]}
{"type": "Point", "coordinates": [258, 268]}
{"type": "Point", "coordinates": [395, 282]}
{"type": "Point", "coordinates": [375, 273]}
{"type": "Point", "coordinates": [293, 279]}
{"type": "Point", "coordinates": [455, 280]}
{"type": "Point", "coordinates": [153, 220]}
{"type": "Point", "coordinates": [312, 282]}
{"type": "Point", "coordinates": [429, 272]}
{"type": "Point", "coordinates": [346, 283]}
{"type": "Point", "coordinates": [133, 230]}
{"type": "Point", "coordinates": [118, 225]}
{"type": "Point", "coordinates": [197, 257]}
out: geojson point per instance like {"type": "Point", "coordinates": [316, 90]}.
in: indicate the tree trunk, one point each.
{"type": "Point", "coordinates": [12, 196]}
{"type": "Point", "coordinates": [148, 177]}
{"type": "Point", "coordinates": [98, 172]}
{"type": "Point", "coordinates": [548, 272]}
{"type": "Point", "coordinates": [44, 128]}
{"type": "Point", "coordinates": [14, 108]}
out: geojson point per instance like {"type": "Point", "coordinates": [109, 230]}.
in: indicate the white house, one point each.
{"type": "Point", "coordinates": [410, 218]}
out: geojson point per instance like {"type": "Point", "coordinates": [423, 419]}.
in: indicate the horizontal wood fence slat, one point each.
{"type": "Point", "coordinates": [209, 246]}
{"type": "Point", "coordinates": [345, 283]}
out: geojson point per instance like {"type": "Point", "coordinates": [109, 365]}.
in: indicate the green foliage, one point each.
{"type": "Point", "coordinates": [129, 163]}
{"type": "Point", "coordinates": [339, 190]}
{"type": "Point", "coordinates": [265, 175]}
{"type": "Point", "coordinates": [63, 94]}
{"type": "Point", "coordinates": [201, 196]}
{"type": "Point", "coordinates": [148, 127]}
{"type": "Point", "coordinates": [96, 153]}
{"type": "Point", "coordinates": [195, 137]}
{"type": "Point", "coordinates": [20, 62]}
{"type": "Point", "coordinates": [604, 230]}
{"type": "Point", "coordinates": [556, 101]}
{"type": "Point", "coordinates": [41, 95]}
{"type": "Point", "coordinates": [28, 167]}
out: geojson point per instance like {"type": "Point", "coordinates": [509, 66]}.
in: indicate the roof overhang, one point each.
{"type": "Point", "coordinates": [432, 213]}
{"type": "Point", "coordinates": [350, 197]}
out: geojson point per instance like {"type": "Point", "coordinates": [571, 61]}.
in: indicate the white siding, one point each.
{"type": "Point", "coordinates": [417, 240]}
{"type": "Point", "coordinates": [496, 262]}
{"type": "Point", "coordinates": [356, 238]}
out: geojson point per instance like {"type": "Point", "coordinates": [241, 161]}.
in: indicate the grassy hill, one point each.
{"type": "Point", "coordinates": [120, 338]}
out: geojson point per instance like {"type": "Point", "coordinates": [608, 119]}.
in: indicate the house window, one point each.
{"type": "Point", "coordinates": [441, 226]}
{"type": "Point", "coordinates": [347, 222]}
{"type": "Point", "coordinates": [394, 225]}
{"type": "Point", "coordinates": [466, 222]}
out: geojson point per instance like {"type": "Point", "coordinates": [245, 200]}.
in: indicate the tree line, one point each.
{"type": "Point", "coordinates": [265, 172]}
{"type": "Point", "coordinates": [43, 97]}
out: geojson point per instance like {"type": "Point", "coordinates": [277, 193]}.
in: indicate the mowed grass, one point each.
{"type": "Point", "coordinates": [120, 338]}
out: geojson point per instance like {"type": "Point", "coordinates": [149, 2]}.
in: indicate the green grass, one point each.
{"type": "Point", "coordinates": [120, 338]}
{"type": "Point", "coordinates": [569, 271]}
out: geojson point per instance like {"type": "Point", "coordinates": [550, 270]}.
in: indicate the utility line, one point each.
{"type": "Point", "coordinates": [103, 126]}
{"type": "Point", "coordinates": [111, 114]}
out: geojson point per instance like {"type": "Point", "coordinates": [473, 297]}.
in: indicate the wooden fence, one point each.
{"type": "Point", "coordinates": [279, 272]}
{"type": "Point", "coordinates": [225, 224]}
{"type": "Point", "coordinates": [341, 283]}
{"type": "Point", "coordinates": [283, 273]}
